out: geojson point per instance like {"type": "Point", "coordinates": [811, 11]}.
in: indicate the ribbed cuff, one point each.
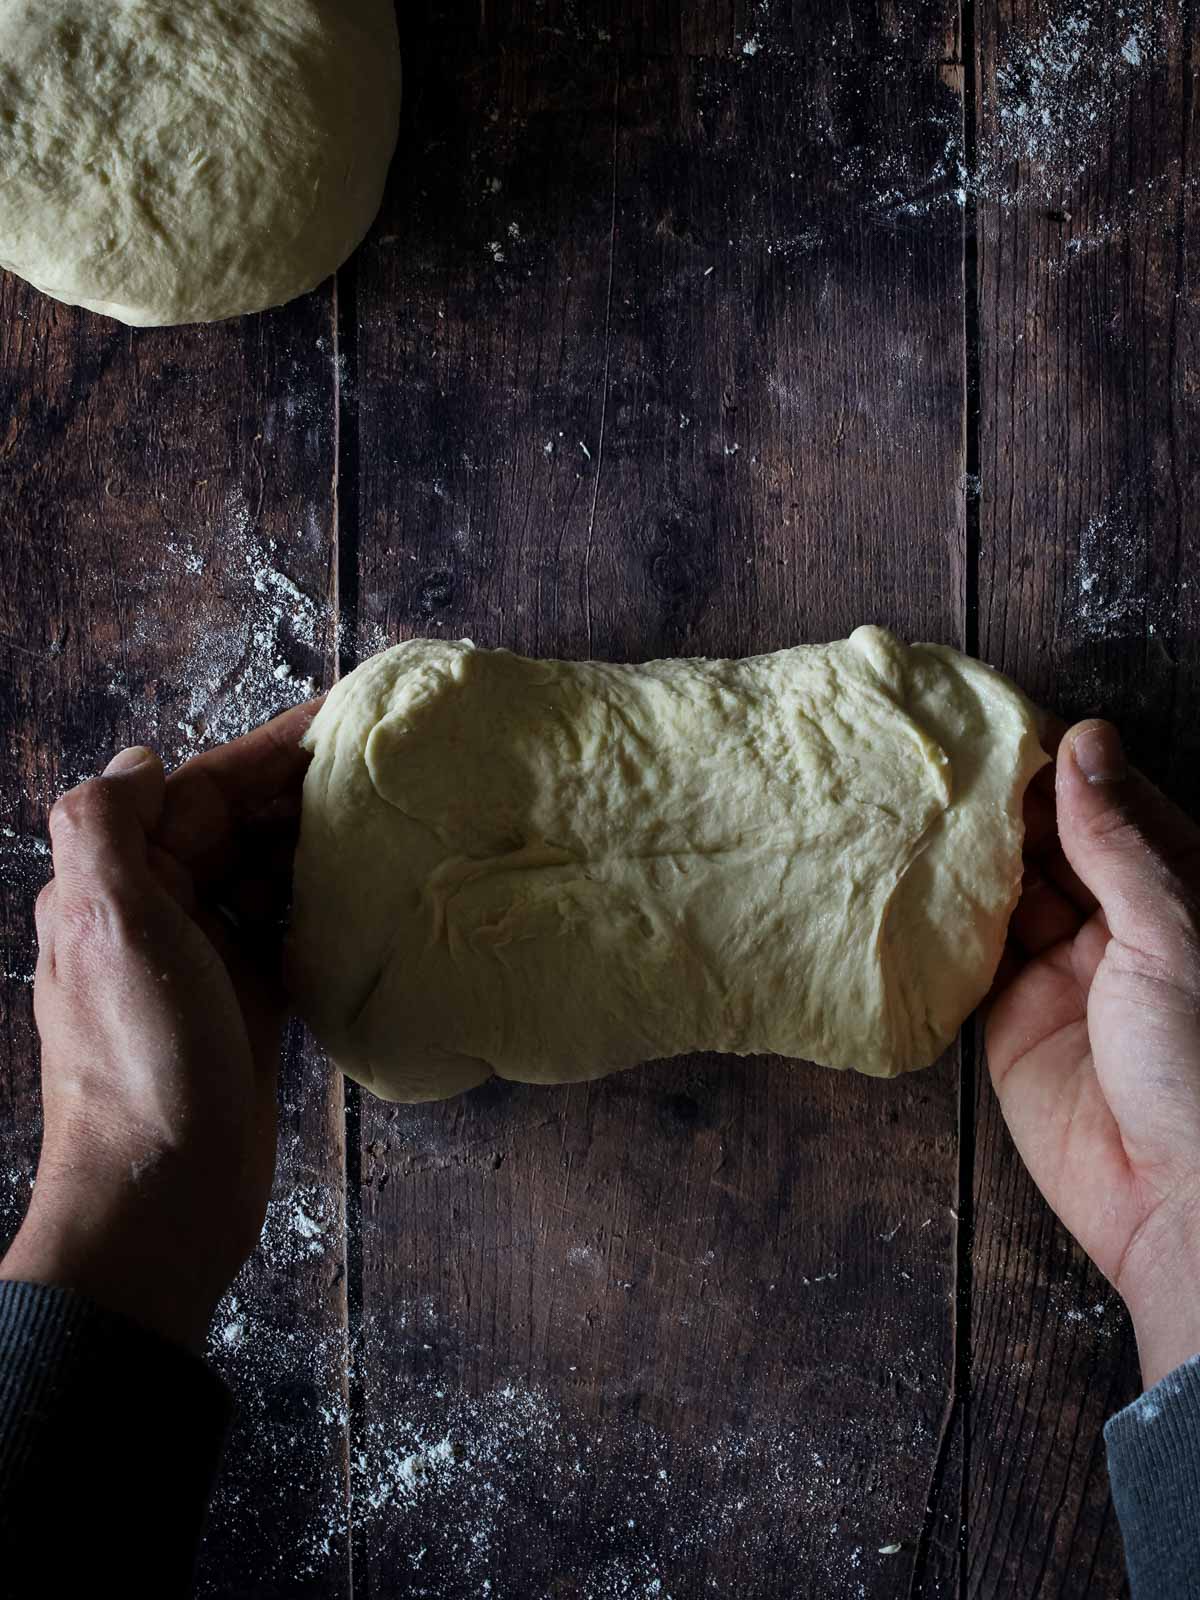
{"type": "Point", "coordinates": [107, 1431]}
{"type": "Point", "coordinates": [1154, 1468]}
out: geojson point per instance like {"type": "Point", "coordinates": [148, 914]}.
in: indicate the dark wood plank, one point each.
{"type": "Point", "coordinates": [660, 356]}
{"type": "Point", "coordinates": [925, 30]}
{"type": "Point", "coordinates": [163, 574]}
{"type": "Point", "coordinates": [1089, 465]}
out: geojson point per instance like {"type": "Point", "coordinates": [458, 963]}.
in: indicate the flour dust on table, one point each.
{"type": "Point", "coordinates": [510, 1485]}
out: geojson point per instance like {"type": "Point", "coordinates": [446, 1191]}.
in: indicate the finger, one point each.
{"type": "Point", "coordinates": [1087, 950]}
{"type": "Point", "coordinates": [257, 901]}
{"type": "Point", "coordinates": [1044, 915]}
{"type": "Point", "coordinates": [174, 878]}
{"type": "Point", "coordinates": [1043, 848]}
{"type": "Point", "coordinates": [257, 978]}
{"type": "Point", "coordinates": [1054, 865]}
{"type": "Point", "coordinates": [1042, 1005]}
{"type": "Point", "coordinates": [1136, 852]}
{"type": "Point", "coordinates": [44, 919]}
{"type": "Point", "coordinates": [137, 774]}
{"type": "Point", "coordinates": [1015, 963]}
{"type": "Point", "coordinates": [256, 769]}
{"type": "Point", "coordinates": [98, 830]}
{"type": "Point", "coordinates": [259, 774]}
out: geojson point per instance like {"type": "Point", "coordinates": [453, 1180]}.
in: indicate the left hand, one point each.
{"type": "Point", "coordinates": [159, 1005]}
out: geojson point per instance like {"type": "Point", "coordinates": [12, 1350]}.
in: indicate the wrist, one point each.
{"type": "Point", "coordinates": [104, 1251]}
{"type": "Point", "coordinates": [1168, 1334]}
{"type": "Point", "coordinates": [1160, 1284]}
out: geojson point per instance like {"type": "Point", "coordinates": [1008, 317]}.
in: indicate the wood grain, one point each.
{"type": "Point", "coordinates": [660, 346]}
{"type": "Point", "coordinates": [1087, 321]}
{"type": "Point", "coordinates": [622, 387]}
{"type": "Point", "coordinates": [159, 488]}
{"type": "Point", "coordinates": [925, 30]}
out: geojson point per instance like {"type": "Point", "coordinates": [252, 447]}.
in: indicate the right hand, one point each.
{"type": "Point", "coordinates": [1093, 1034]}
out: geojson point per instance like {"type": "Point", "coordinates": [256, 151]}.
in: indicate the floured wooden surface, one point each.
{"type": "Point", "coordinates": [658, 348]}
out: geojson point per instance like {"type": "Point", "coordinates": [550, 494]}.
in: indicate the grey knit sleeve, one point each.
{"type": "Point", "coordinates": [1154, 1468]}
{"type": "Point", "coordinates": [110, 1438]}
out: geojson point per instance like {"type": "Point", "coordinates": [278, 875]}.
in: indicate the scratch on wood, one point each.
{"type": "Point", "coordinates": [612, 264]}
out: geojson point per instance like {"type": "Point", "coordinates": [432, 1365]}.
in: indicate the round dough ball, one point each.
{"type": "Point", "coordinates": [167, 161]}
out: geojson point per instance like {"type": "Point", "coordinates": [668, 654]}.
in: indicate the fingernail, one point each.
{"type": "Point", "coordinates": [1098, 753]}
{"type": "Point", "coordinates": [126, 760]}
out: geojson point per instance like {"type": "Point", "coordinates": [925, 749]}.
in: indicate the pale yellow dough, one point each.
{"type": "Point", "coordinates": [168, 161]}
{"type": "Point", "coordinates": [549, 870]}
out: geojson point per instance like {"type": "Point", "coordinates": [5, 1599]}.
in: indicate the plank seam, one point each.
{"type": "Point", "coordinates": [612, 266]}
{"type": "Point", "coordinates": [956, 1417]}
{"type": "Point", "coordinates": [1180, 286]}
{"type": "Point", "coordinates": [345, 611]}
{"type": "Point", "coordinates": [971, 1039]}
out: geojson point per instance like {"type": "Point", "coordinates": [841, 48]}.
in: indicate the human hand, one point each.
{"type": "Point", "coordinates": [159, 1003]}
{"type": "Point", "coordinates": [1093, 1035]}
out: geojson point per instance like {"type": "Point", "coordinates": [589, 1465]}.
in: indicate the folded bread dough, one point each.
{"type": "Point", "coordinates": [548, 870]}
{"type": "Point", "coordinates": [169, 161]}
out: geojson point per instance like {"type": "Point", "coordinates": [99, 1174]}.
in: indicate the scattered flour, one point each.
{"type": "Point", "coordinates": [240, 663]}
{"type": "Point", "coordinates": [1110, 572]}
{"type": "Point", "coordinates": [301, 1224]}
{"type": "Point", "coordinates": [17, 852]}
{"type": "Point", "coordinates": [1094, 1313]}
{"type": "Point", "coordinates": [1087, 1307]}
{"type": "Point", "coordinates": [1114, 594]}
{"type": "Point", "coordinates": [453, 1488]}
{"type": "Point", "coordinates": [1054, 93]}
{"type": "Point", "coordinates": [24, 868]}
{"type": "Point", "coordinates": [477, 1473]}
{"type": "Point", "coordinates": [1047, 122]}
{"type": "Point", "coordinates": [247, 643]}
{"type": "Point", "coordinates": [24, 861]}
{"type": "Point", "coordinates": [17, 1167]}
{"type": "Point", "coordinates": [230, 1328]}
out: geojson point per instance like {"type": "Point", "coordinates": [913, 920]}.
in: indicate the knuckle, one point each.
{"type": "Point", "coordinates": [1116, 830]}
{"type": "Point", "coordinates": [78, 808]}
{"type": "Point", "coordinates": [87, 924]}
{"type": "Point", "coordinates": [44, 903]}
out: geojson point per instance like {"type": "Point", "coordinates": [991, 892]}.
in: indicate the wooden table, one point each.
{"type": "Point", "coordinates": [689, 326]}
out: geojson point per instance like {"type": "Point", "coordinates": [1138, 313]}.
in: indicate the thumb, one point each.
{"type": "Point", "coordinates": [98, 831]}
{"type": "Point", "coordinates": [1136, 852]}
